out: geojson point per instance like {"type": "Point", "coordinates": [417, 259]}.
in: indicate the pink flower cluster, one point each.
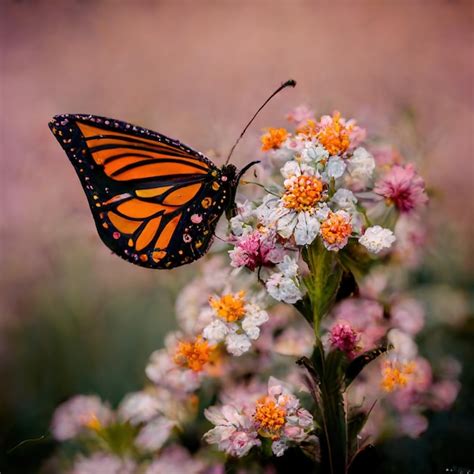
{"type": "Point", "coordinates": [403, 187]}
{"type": "Point", "coordinates": [277, 415]}
{"type": "Point", "coordinates": [256, 250]}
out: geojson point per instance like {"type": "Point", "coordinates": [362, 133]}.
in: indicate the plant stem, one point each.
{"type": "Point", "coordinates": [322, 285]}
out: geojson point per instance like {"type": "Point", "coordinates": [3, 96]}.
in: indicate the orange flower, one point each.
{"type": "Point", "coordinates": [269, 417]}
{"type": "Point", "coordinates": [336, 229]}
{"type": "Point", "coordinates": [334, 134]}
{"type": "Point", "coordinates": [193, 355]}
{"type": "Point", "coordinates": [302, 192]}
{"type": "Point", "coordinates": [396, 375]}
{"type": "Point", "coordinates": [273, 139]}
{"type": "Point", "coordinates": [229, 307]}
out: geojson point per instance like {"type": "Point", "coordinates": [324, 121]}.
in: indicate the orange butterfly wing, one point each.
{"type": "Point", "coordinates": [155, 201]}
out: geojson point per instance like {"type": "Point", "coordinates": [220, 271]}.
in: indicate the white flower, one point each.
{"type": "Point", "coordinates": [344, 199]}
{"type": "Point", "coordinates": [306, 228]}
{"type": "Point", "coordinates": [314, 153]}
{"type": "Point", "coordinates": [254, 319]}
{"type": "Point", "coordinates": [279, 447]}
{"type": "Point", "coordinates": [216, 331]}
{"type": "Point", "coordinates": [376, 239]}
{"type": "Point", "coordinates": [335, 167]}
{"type": "Point", "coordinates": [241, 223]}
{"type": "Point", "coordinates": [404, 347]}
{"type": "Point", "coordinates": [237, 344]}
{"type": "Point", "coordinates": [139, 407]}
{"type": "Point", "coordinates": [283, 288]}
{"type": "Point", "coordinates": [235, 322]}
{"type": "Point", "coordinates": [361, 165]}
{"type": "Point", "coordinates": [155, 434]}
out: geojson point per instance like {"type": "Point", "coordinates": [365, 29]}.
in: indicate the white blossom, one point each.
{"type": "Point", "coordinates": [344, 199]}
{"type": "Point", "coordinates": [361, 165]}
{"type": "Point", "coordinates": [335, 167]}
{"type": "Point", "coordinates": [237, 344]}
{"type": "Point", "coordinates": [376, 239]}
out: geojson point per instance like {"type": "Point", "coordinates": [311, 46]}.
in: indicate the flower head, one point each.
{"type": "Point", "coordinates": [300, 114]}
{"type": "Point", "coordinates": [194, 354]}
{"type": "Point", "coordinates": [236, 322]}
{"type": "Point", "coordinates": [302, 193]}
{"type": "Point", "coordinates": [269, 418]}
{"type": "Point", "coordinates": [256, 249]}
{"type": "Point", "coordinates": [336, 230]}
{"type": "Point", "coordinates": [376, 239]}
{"type": "Point", "coordinates": [234, 432]}
{"type": "Point", "coordinates": [345, 338]}
{"type": "Point", "coordinates": [273, 139]}
{"type": "Point", "coordinates": [403, 187]}
{"type": "Point", "coordinates": [396, 374]}
{"type": "Point", "coordinates": [79, 414]}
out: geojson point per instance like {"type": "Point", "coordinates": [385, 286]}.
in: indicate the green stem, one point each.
{"type": "Point", "coordinates": [322, 285]}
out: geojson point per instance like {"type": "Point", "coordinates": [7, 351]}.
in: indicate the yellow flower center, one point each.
{"type": "Point", "coordinates": [92, 422]}
{"type": "Point", "coordinates": [335, 229]}
{"type": "Point", "coordinates": [396, 375]}
{"type": "Point", "coordinates": [193, 355]}
{"type": "Point", "coordinates": [335, 137]}
{"type": "Point", "coordinates": [273, 139]}
{"type": "Point", "coordinates": [302, 193]}
{"type": "Point", "coordinates": [229, 307]}
{"type": "Point", "coordinates": [269, 417]}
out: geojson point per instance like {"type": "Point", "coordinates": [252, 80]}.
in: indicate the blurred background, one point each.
{"type": "Point", "coordinates": [75, 319]}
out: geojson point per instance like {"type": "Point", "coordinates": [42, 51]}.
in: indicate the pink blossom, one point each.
{"type": "Point", "coordinates": [76, 414]}
{"type": "Point", "coordinates": [365, 317]}
{"type": "Point", "coordinates": [403, 187]}
{"type": "Point", "coordinates": [408, 315]}
{"type": "Point", "coordinates": [175, 459]}
{"type": "Point", "coordinates": [386, 156]}
{"type": "Point", "coordinates": [412, 424]}
{"type": "Point", "coordinates": [234, 432]}
{"type": "Point", "coordinates": [255, 250]}
{"type": "Point", "coordinates": [103, 463]}
{"type": "Point", "coordinates": [344, 338]}
{"type": "Point", "coordinates": [443, 394]}
{"type": "Point", "coordinates": [300, 115]}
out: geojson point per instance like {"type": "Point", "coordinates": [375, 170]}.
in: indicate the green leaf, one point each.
{"type": "Point", "coordinates": [357, 365]}
{"type": "Point", "coordinates": [334, 441]}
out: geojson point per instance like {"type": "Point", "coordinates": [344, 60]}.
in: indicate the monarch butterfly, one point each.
{"type": "Point", "coordinates": [155, 201]}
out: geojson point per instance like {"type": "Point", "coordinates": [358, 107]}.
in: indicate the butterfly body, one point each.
{"type": "Point", "coordinates": [155, 201]}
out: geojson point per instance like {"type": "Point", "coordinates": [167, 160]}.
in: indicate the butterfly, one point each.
{"type": "Point", "coordinates": [155, 201]}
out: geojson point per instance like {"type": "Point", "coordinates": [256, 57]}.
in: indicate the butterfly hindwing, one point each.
{"type": "Point", "coordinates": [155, 201]}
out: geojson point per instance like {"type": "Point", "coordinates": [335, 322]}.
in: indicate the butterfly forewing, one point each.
{"type": "Point", "coordinates": [155, 201]}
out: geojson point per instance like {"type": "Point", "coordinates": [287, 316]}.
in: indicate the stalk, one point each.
{"type": "Point", "coordinates": [322, 285]}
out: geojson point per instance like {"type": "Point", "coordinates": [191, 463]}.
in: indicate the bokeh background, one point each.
{"type": "Point", "coordinates": [76, 319]}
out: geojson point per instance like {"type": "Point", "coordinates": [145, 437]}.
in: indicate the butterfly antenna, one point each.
{"type": "Point", "coordinates": [289, 83]}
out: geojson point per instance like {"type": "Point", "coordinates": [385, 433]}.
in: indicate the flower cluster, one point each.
{"type": "Point", "coordinates": [331, 210]}
{"type": "Point", "coordinates": [276, 415]}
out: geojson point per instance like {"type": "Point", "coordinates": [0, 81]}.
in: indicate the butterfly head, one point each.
{"type": "Point", "coordinates": [233, 176]}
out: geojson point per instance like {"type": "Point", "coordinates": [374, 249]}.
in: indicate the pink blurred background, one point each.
{"type": "Point", "coordinates": [197, 71]}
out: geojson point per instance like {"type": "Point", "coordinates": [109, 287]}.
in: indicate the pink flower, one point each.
{"type": "Point", "coordinates": [103, 463]}
{"type": "Point", "coordinates": [444, 393]}
{"type": "Point", "coordinates": [403, 187]}
{"type": "Point", "coordinates": [79, 414]}
{"type": "Point", "coordinates": [412, 424]}
{"type": "Point", "coordinates": [175, 459]}
{"type": "Point", "coordinates": [344, 338]}
{"type": "Point", "coordinates": [365, 317]}
{"type": "Point", "coordinates": [300, 115]}
{"type": "Point", "coordinates": [255, 250]}
{"type": "Point", "coordinates": [408, 315]}
{"type": "Point", "coordinates": [234, 432]}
